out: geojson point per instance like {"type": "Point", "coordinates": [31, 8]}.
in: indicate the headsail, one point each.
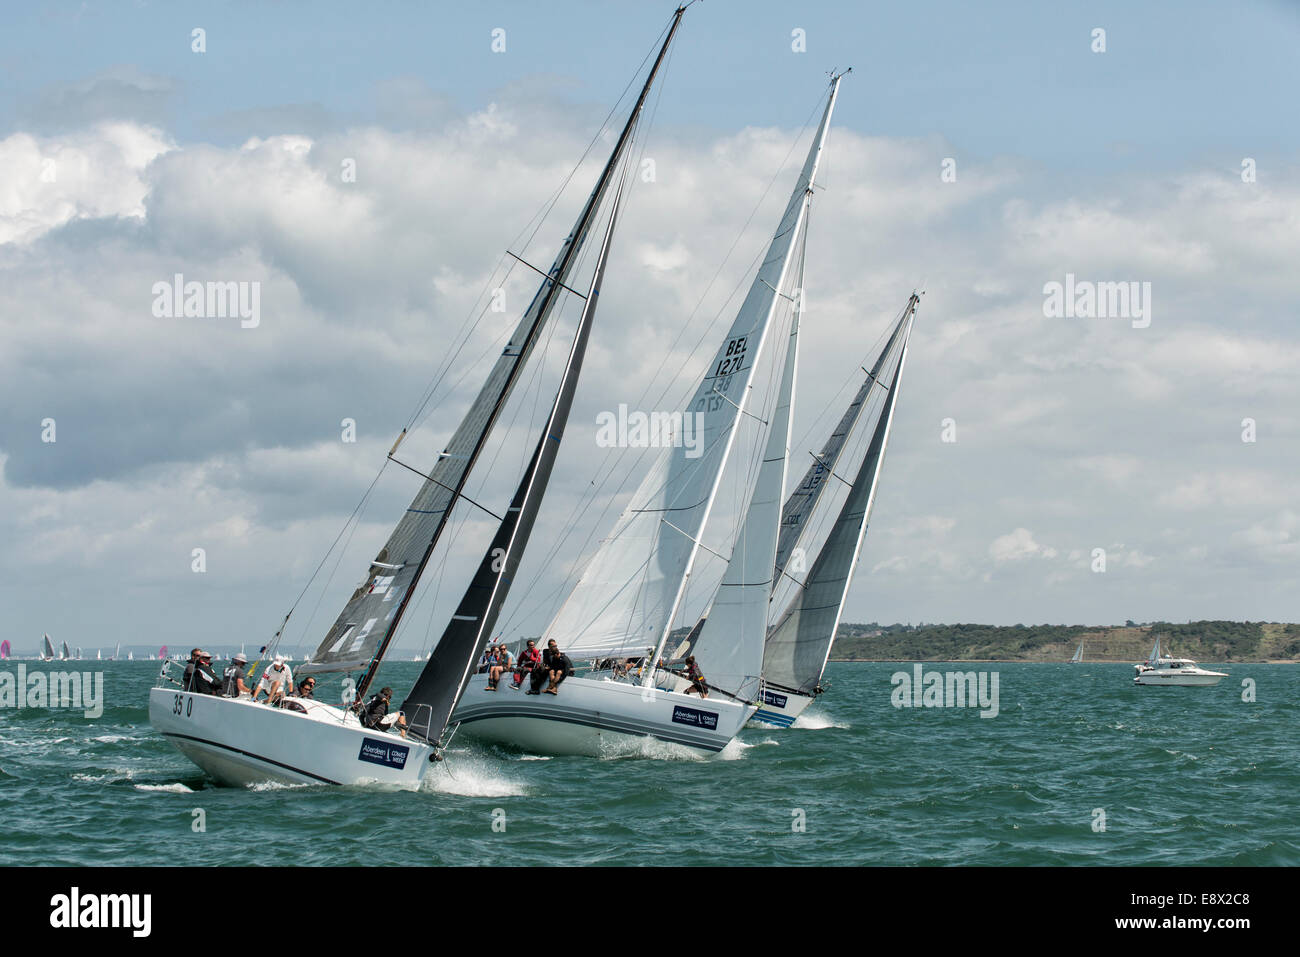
{"type": "Point", "coordinates": [441, 683]}
{"type": "Point", "coordinates": [364, 628]}
{"type": "Point", "coordinates": [729, 649]}
{"type": "Point", "coordinates": [800, 643]}
{"type": "Point", "coordinates": [629, 592]}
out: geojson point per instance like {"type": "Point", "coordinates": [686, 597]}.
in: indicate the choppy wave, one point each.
{"type": "Point", "coordinates": [1195, 778]}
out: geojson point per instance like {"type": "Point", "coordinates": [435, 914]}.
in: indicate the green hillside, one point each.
{"type": "Point", "coordinates": [1201, 640]}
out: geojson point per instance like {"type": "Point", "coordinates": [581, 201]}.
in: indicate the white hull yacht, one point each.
{"type": "Point", "coordinates": [1174, 672]}
{"type": "Point", "coordinates": [240, 742]}
{"type": "Point", "coordinates": [598, 717]}
{"type": "Point", "coordinates": [627, 601]}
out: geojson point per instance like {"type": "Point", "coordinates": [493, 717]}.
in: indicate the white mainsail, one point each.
{"type": "Point", "coordinates": [629, 593]}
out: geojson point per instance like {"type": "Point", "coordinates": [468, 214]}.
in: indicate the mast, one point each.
{"type": "Point", "coordinates": [814, 158]}
{"type": "Point", "coordinates": [449, 666]}
{"type": "Point", "coordinates": [445, 486]}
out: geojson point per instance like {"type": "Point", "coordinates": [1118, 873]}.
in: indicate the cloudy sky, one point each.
{"type": "Point", "coordinates": [981, 154]}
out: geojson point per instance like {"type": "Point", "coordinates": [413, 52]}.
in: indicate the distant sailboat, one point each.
{"type": "Point", "coordinates": [1078, 656]}
{"type": "Point", "coordinates": [130, 656]}
{"type": "Point", "coordinates": [47, 649]}
{"type": "Point", "coordinates": [65, 653]}
{"type": "Point", "coordinates": [4, 649]}
{"type": "Point", "coordinates": [162, 652]}
{"type": "Point", "coordinates": [117, 652]}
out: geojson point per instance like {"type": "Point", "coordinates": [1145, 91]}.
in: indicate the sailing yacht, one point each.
{"type": "Point", "coordinates": [1181, 672]}
{"type": "Point", "coordinates": [4, 649]}
{"type": "Point", "coordinates": [1078, 655]}
{"type": "Point", "coordinates": [65, 653]}
{"type": "Point", "coordinates": [47, 649]}
{"type": "Point", "coordinates": [798, 646]}
{"type": "Point", "coordinates": [627, 599]}
{"type": "Point", "coordinates": [241, 742]}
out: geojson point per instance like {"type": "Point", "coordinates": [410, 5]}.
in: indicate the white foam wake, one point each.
{"type": "Point", "coordinates": [816, 721]}
{"type": "Point", "coordinates": [471, 777]}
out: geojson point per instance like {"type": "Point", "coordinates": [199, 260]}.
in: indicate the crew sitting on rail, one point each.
{"type": "Point", "coordinates": [555, 665]}
{"type": "Point", "coordinates": [499, 666]}
{"type": "Point", "coordinates": [529, 659]}
{"type": "Point", "coordinates": [277, 681]}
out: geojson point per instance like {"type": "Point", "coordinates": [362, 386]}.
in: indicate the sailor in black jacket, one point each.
{"type": "Point", "coordinates": [199, 676]}
{"type": "Point", "coordinates": [555, 665]}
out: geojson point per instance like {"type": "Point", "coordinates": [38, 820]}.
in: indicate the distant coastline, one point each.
{"type": "Point", "coordinates": [1209, 641]}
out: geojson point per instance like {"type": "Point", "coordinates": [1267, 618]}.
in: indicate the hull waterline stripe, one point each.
{"type": "Point", "coordinates": [249, 754]}
{"type": "Point", "coordinates": [598, 725]}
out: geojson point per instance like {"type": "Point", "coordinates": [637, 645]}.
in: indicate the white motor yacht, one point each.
{"type": "Point", "coordinates": [1174, 671]}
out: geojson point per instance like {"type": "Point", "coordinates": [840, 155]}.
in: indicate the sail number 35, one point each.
{"type": "Point", "coordinates": [183, 704]}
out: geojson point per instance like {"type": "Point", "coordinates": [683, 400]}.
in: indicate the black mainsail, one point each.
{"type": "Point", "coordinates": [364, 629]}
{"type": "Point", "coordinates": [438, 689]}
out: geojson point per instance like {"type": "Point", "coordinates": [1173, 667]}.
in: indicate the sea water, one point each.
{"type": "Point", "coordinates": [1077, 766]}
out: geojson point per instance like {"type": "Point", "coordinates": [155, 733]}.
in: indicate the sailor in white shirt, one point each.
{"type": "Point", "coordinates": [277, 681]}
